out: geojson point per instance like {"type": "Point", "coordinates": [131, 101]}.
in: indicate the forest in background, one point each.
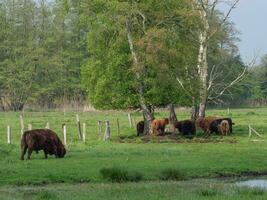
{"type": "Point", "coordinates": [77, 52]}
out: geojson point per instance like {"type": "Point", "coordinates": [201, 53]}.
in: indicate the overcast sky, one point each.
{"type": "Point", "coordinates": [250, 18]}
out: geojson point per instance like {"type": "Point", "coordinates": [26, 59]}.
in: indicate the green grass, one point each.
{"type": "Point", "coordinates": [186, 190]}
{"type": "Point", "coordinates": [155, 161]}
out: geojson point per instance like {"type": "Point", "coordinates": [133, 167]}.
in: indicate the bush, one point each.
{"type": "Point", "coordinates": [172, 174]}
{"type": "Point", "coordinates": [120, 175]}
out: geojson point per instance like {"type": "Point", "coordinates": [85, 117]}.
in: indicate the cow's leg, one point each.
{"type": "Point", "coordinates": [45, 153]}
{"type": "Point", "coordinates": [29, 153]}
{"type": "Point", "coordinates": [23, 151]}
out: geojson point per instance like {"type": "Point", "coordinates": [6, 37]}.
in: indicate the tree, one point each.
{"type": "Point", "coordinates": [17, 62]}
{"type": "Point", "coordinates": [136, 47]}
{"type": "Point", "coordinates": [207, 13]}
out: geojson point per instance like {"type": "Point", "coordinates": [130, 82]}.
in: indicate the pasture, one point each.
{"type": "Point", "coordinates": [160, 169]}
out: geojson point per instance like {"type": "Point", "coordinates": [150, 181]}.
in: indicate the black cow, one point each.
{"type": "Point", "coordinates": [214, 126]}
{"type": "Point", "coordinates": [186, 127]}
{"type": "Point", "coordinates": [140, 128]}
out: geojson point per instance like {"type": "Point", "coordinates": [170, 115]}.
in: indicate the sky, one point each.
{"type": "Point", "coordinates": [250, 18]}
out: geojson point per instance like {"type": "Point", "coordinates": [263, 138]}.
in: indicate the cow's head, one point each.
{"type": "Point", "coordinates": [61, 151]}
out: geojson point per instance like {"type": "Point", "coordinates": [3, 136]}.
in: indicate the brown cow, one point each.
{"type": "Point", "coordinates": [224, 127]}
{"type": "Point", "coordinates": [158, 126]}
{"type": "Point", "coordinates": [41, 139]}
{"type": "Point", "coordinates": [204, 123]}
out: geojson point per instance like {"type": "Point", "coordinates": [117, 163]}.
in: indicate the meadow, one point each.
{"type": "Point", "coordinates": [127, 167]}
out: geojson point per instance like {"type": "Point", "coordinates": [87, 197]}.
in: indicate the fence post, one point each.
{"type": "Point", "coordinates": [29, 127]}
{"type": "Point", "coordinates": [99, 123]}
{"type": "Point", "coordinates": [21, 125]}
{"type": "Point", "coordinates": [79, 126]}
{"type": "Point", "coordinates": [134, 123]}
{"type": "Point", "coordinates": [118, 126]}
{"type": "Point", "coordinates": [107, 132]}
{"type": "Point", "coordinates": [84, 132]}
{"type": "Point", "coordinates": [130, 120]}
{"type": "Point", "coordinates": [47, 126]}
{"type": "Point", "coordinates": [64, 127]}
{"type": "Point", "coordinates": [8, 134]}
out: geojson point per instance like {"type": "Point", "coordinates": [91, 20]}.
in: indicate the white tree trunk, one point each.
{"type": "Point", "coordinates": [146, 113]}
{"type": "Point", "coordinates": [203, 64]}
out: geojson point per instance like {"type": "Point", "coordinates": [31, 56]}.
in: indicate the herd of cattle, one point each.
{"type": "Point", "coordinates": [49, 142]}
{"type": "Point", "coordinates": [188, 127]}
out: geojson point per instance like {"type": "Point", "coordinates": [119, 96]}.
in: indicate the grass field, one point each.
{"type": "Point", "coordinates": [159, 166]}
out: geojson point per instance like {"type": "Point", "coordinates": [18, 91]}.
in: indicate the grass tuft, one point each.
{"type": "Point", "coordinates": [119, 175]}
{"type": "Point", "coordinates": [208, 192]}
{"type": "Point", "coordinates": [172, 174]}
{"type": "Point", "coordinates": [46, 195]}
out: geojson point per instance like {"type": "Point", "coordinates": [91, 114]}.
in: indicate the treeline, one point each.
{"type": "Point", "coordinates": [43, 45]}
{"type": "Point", "coordinates": [114, 54]}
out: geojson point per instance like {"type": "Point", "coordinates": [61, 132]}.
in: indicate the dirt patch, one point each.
{"type": "Point", "coordinates": [175, 138]}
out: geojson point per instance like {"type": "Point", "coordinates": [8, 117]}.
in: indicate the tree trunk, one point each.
{"type": "Point", "coordinates": [146, 112]}
{"type": "Point", "coordinates": [203, 66]}
{"type": "Point", "coordinates": [172, 118]}
{"type": "Point", "coordinates": [194, 112]}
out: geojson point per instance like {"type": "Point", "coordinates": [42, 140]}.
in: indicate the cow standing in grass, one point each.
{"type": "Point", "coordinates": [224, 127]}
{"type": "Point", "coordinates": [41, 139]}
{"type": "Point", "coordinates": [186, 127]}
{"type": "Point", "coordinates": [158, 126]}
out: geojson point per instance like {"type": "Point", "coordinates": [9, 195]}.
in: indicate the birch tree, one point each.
{"type": "Point", "coordinates": [207, 14]}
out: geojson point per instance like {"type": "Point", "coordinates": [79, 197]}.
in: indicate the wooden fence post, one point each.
{"type": "Point", "coordinates": [130, 120]}
{"type": "Point", "coordinates": [134, 123]}
{"type": "Point", "coordinates": [99, 123]}
{"type": "Point", "coordinates": [107, 132]}
{"type": "Point", "coordinates": [8, 134]}
{"type": "Point", "coordinates": [64, 127]}
{"type": "Point", "coordinates": [84, 132]}
{"type": "Point", "coordinates": [29, 127]}
{"type": "Point", "coordinates": [79, 126]}
{"type": "Point", "coordinates": [21, 125]}
{"type": "Point", "coordinates": [47, 126]}
{"type": "Point", "coordinates": [118, 126]}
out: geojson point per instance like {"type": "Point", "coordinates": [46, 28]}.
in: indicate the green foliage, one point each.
{"type": "Point", "coordinates": [160, 44]}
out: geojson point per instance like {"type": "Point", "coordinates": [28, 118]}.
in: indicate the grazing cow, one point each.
{"type": "Point", "coordinates": [214, 126]}
{"type": "Point", "coordinates": [186, 127]}
{"type": "Point", "coordinates": [158, 126]}
{"type": "Point", "coordinates": [224, 127]}
{"type": "Point", "coordinates": [42, 139]}
{"type": "Point", "coordinates": [204, 123]}
{"type": "Point", "coordinates": [140, 128]}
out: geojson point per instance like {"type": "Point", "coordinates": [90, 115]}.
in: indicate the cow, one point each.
{"type": "Point", "coordinates": [224, 127]}
{"type": "Point", "coordinates": [214, 126]}
{"type": "Point", "coordinates": [140, 128]}
{"type": "Point", "coordinates": [158, 126]}
{"type": "Point", "coordinates": [41, 139]}
{"type": "Point", "coordinates": [205, 123]}
{"type": "Point", "coordinates": [186, 127]}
